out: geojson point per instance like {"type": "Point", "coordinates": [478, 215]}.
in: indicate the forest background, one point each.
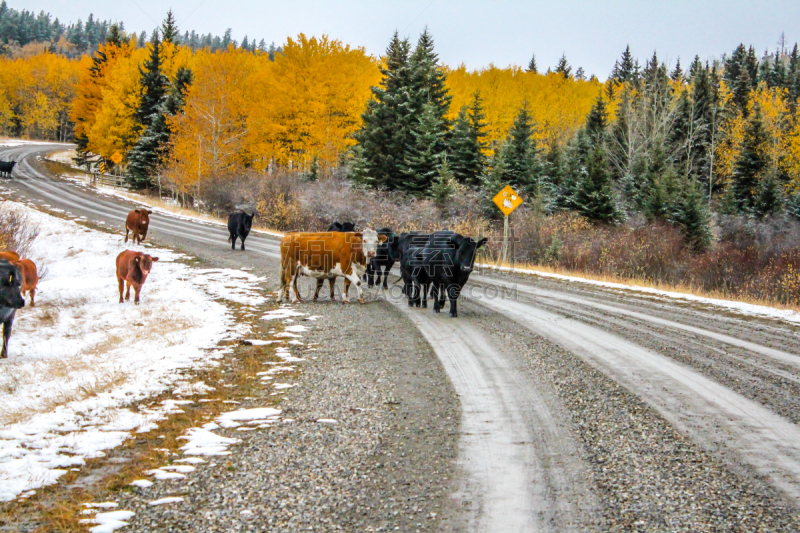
{"type": "Point", "coordinates": [680, 178]}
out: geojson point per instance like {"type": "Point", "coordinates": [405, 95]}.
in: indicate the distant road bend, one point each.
{"type": "Point", "coordinates": [694, 384]}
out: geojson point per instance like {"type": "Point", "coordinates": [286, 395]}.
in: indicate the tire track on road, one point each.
{"type": "Point", "coordinates": [522, 468]}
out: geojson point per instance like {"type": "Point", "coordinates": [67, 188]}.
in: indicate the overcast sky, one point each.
{"type": "Point", "coordinates": [592, 33]}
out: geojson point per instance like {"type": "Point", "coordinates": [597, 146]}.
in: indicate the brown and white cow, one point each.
{"type": "Point", "coordinates": [30, 277]}
{"type": "Point", "coordinates": [132, 269]}
{"type": "Point", "coordinates": [326, 255]}
{"type": "Point", "coordinates": [138, 221]}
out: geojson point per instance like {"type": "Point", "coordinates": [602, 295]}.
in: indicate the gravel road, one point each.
{"type": "Point", "coordinates": [547, 406]}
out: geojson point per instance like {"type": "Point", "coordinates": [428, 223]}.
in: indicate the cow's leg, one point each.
{"type": "Point", "coordinates": [127, 230]}
{"type": "Point", "coordinates": [121, 288]}
{"type": "Point", "coordinates": [136, 289]}
{"type": "Point", "coordinates": [32, 292]}
{"type": "Point", "coordinates": [370, 274]}
{"type": "Point", "coordinates": [242, 239]}
{"type": "Point", "coordinates": [233, 241]}
{"type": "Point", "coordinates": [435, 295]}
{"type": "Point", "coordinates": [127, 290]}
{"type": "Point", "coordinates": [320, 283]}
{"type": "Point", "coordinates": [6, 335]}
{"type": "Point", "coordinates": [453, 292]}
{"type": "Point", "coordinates": [386, 277]}
{"type": "Point", "coordinates": [294, 285]}
{"type": "Point", "coordinates": [425, 288]}
{"type": "Point", "coordinates": [331, 286]}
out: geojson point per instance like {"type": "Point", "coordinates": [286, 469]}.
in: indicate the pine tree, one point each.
{"type": "Point", "coordinates": [624, 70]}
{"type": "Point", "coordinates": [690, 213]}
{"type": "Point", "coordinates": [169, 29]}
{"type": "Point", "coordinates": [444, 185]}
{"type": "Point", "coordinates": [593, 196]}
{"type": "Point", "coordinates": [734, 66]}
{"type": "Point", "coordinates": [563, 67]}
{"type": "Point", "coordinates": [313, 172]}
{"type": "Point", "coordinates": [521, 158]}
{"type": "Point", "coordinates": [751, 63]}
{"type": "Point", "coordinates": [677, 74]}
{"type": "Point", "coordinates": [386, 130]}
{"type": "Point", "coordinates": [793, 75]}
{"type": "Point", "coordinates": [741, 90]}
{"type": "Point", "coordinates": [695, 67]}
{"type": "Point", "coordinates": [358, 173]}
{"type": "Point", "coordinates": [769, 198]}
{"type": "Point", "coordinates": [751, 164]}
{"type": "Point", "coordinates": [532, 65]}
{"type": "Point", "coordinates": [494, 181]}
{"type": "Point", "coordinates": [468, 161]}
{"type": "Point", "coordinates": [764, 69]}
{"type": "Point", "coordinates": [597, 120]}
{"type": "Point", "coordinates": [424, 154]}
{"type": "Point", "coordinates": [777, 74]}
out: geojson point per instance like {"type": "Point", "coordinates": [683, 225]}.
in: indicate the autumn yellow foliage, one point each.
{"type": "Point", "coordinates": [558, 105]}
{"type": "Point", "coordinates": [36, 91]}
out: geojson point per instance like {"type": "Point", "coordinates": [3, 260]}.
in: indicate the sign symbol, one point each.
{"type": "Point", "coordinates": [507, 200]}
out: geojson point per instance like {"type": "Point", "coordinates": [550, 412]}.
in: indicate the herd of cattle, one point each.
{"type": "Point", "coordinates": [438, 263]}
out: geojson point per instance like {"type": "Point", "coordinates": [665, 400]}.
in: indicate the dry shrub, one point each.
{"type": "Point", "coordinates": [17, 231]}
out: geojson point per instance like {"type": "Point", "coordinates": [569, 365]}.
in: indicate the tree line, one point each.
{"type": "Point", "coordinates": [667, 144]}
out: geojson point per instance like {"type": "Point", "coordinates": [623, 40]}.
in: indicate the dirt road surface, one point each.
{"type": "Point", "coordinates": [581, 408]}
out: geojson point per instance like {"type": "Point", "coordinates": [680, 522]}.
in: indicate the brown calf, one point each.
{"type": "Point", "coordinates": [30, 277]}
{"type": "Point", "coordinates": [138, 220]}
{"type": "Point", "coordinates": [9, 256]}
{"type": "Point", "coordinates": [133, 268]}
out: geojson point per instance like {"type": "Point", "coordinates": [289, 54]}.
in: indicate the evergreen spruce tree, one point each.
{"type": "Point", "coordinates": [734, 66]}
{"type": "Point", "coordinates": [424, 155]}
{"type": "Point", "coordinates": [522, 161]}
{"type": "Point", "coordinates": [751, 63]}
{"type": "Point", "coordinates": [563, 67]}
{"type": "Point", "coordinates": [387, 122]}
{"type": "Point", "coordinates": [313, 171]}
{"type": "Point", "coordinates": [597, 120]}
{"type": "Point", "coordinates": [359, 173]}
{"type": "Point", "coordinates": [144, 157]}
{"type": "Point", "coordinates": [741, 91]}
{"type": "Point", "coordinates": [494, 181]}
{"type": "Point", "coordinates": [769, 199]}
{"type": "Point", "coordinates": [777, 74]}
{"type": "Point", "coordinates": [169, 29]}
{"type": "Point", "coordinates": [625, 67]}
{"type": "Point", "coordinates": [677, 73]}
{"type": "Point", "coordinates": [429, 81]}
{"type": "Point", "coordinates": [580, 74]}
{"type": "Point", "coordinates": [468, 161]}
{"type": "Point", "coordinates": [751, 164]}
{"type": "Point", "coordinates": [690, 213]}
{"type": "Point", "coordinates": [764, 69]}
{"type": "Point", "coordinates": [532, 65]}
{"type": "Point", "coordinates": [793, 205]}
{"type": "Point", "coordinates": [593, 197]}
{"type": "Point", "coordinates": [444, 185]}
{"type": "Point", "coordinates": [695, 67]}
{"type": "Point", "coordinates": [793, 76]}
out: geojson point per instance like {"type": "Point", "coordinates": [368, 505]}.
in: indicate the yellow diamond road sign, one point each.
{"type": "Point", "coordinates": [116, 158]}
{"type": "Point", "coordinates": [507, 200]}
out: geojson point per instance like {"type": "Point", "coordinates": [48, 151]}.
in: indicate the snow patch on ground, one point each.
{"type": "Point", "coordinates": [79, 357]}
{"type": "Point", "coordinates": [730, 305]}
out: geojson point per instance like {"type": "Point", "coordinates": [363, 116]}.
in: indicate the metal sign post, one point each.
{"type": "Point", "coordinates": [507, 201]}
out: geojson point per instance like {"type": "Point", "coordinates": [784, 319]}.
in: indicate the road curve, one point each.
{"type": "Point", "coordinates": [728, 382]}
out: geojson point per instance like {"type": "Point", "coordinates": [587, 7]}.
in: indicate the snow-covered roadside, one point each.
{"type": "Point", "coordinates": [21, 142]}
{"type": "Point", "coordinates": [79, 357]}
{"type": "Point", "coordinates": [729, 305]}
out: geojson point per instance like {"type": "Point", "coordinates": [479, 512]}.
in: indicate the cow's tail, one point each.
{"type": "Point", "coordinates": [229, 239]}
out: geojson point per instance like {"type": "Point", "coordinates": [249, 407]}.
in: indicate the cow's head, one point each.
{"type": "Point", "coordinates": [10, 286]}
{"type": "Point", "coordinates": [145, 263]}
{"type": "Point", "coordinates": [144, 216]}
{"type": "Point", "coordinates": [248, 220]}
{"type": "Point", "coordinates": [466, 252]}
{"type": "Point", "coordinates": [370, 240]}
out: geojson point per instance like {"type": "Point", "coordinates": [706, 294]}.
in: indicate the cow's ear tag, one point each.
{"type": "Point", "coordinates": [10, 278]}
{"type": "Point", "coordinates": [136, 259]}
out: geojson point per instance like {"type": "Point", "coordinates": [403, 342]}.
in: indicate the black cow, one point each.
{"type": "Point", "coordinates": [6, 167]}
{"type": "Point", "coordinates": [388, 252]}
{"type": "Point", "coordinates": [239, 225]}
{"type": "Point", "coordinates": [339, 226]}
{"type": "Point", "coordinates": [10, 300]}
{"type": "Point", "coordinates": [447, 261]}
{"type": "Point", "coordinates": [410, 246]}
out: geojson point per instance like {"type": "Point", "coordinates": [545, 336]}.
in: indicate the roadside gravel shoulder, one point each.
{"type": "Point", "coordinates": [386, 463]}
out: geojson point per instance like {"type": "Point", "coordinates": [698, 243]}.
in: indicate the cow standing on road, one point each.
{"type": "Point", "coordinates": [447, 261]}
{"type": "Point", "coordinates": [10, 300]}
{"type": "Point", "coordinates": [388, 252]}
{"type": "Point", "coordinates": [6, 167]}
{"type": "Point", "coordinates": [132, 269]}
{"type": "Point", "coordinates": [239, 225]}
{"type": "Point", "coordinates": [326, 255]}
{"type": "Point", "coordinates": [410, 246]}
{"type": "Point", "coordinates": [137, 222]}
